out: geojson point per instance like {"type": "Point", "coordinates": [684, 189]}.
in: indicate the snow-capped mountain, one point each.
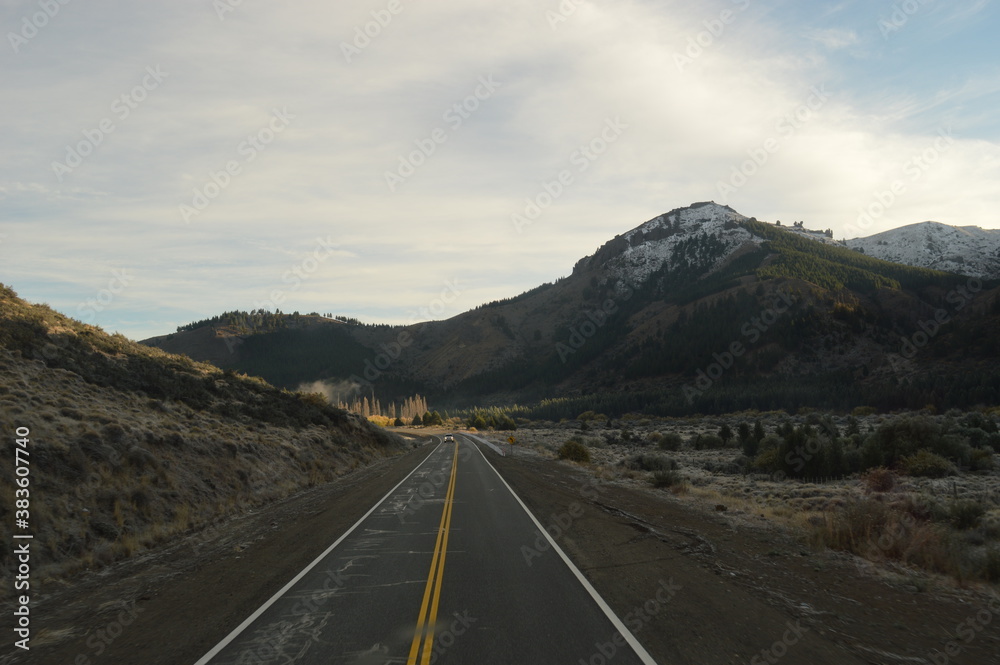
{"type": "Point", "coordinates": [966, 250]}
{"type": "Point", "coordinates": [639, 253]}
{"type": "Point", "coordinates": [665, 240]}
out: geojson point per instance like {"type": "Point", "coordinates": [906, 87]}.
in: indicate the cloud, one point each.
{"type": "Point", "coordinates": [834, 38]}
{"type": "Point", "coordinates": [697, 93]}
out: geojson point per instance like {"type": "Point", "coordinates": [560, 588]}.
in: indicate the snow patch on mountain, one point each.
{"type": "Point", "coordinates": [966, 250]}
{"type": "Point", "coordinates": [636, 255]}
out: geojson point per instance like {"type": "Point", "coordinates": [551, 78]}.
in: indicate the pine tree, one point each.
{"type": "Point", "coordinates": [726, 434]}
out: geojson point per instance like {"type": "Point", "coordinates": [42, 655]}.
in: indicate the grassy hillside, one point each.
{"type": "Point", "coordinates": [131, 445]}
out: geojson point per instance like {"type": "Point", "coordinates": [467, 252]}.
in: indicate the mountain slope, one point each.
{"type": "Point", "coordinates": [966, 250]}
{"type": "Point", "coordinates": [130, 446]}
{"type": "Point", "coordinates": [649, 313]}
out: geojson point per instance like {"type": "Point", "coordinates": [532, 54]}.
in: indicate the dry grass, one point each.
{"type": "Point", "coordinates": [114, 473]}
{"type": "Point", "coordinates": [948, 525]}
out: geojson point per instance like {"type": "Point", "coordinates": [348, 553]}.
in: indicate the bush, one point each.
{"type": "Point", "coordinates": [666, 479]}
{"type": "Point", "coordinates": [900, 438]}
{"type": "Point", "coordinates": [981, 460]}
{"type": "Point", "coordinates": [574, 451]}
{"type": "Point", "coordinates": [708, 442]}
{"type": "Point", "coordinates": [768, 460]}
{"type": "Point", "coordinates": [879, 479]}
{"type": "Point", "coordinates": [966, 514]}
{"type": "Point", "coordinates": [925, 464]}
{"type": "Point", "coordinates": [671, 441]}
{"type": "Point", "coordinates": [645, 462]}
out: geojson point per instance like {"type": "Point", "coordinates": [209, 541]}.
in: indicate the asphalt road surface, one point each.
{"type": "Point", "coordinates": [449, 567]}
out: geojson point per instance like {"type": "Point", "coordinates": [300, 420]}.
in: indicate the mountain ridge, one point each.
{"type": "Point", "coordinates": [968, 250]}
{"type": "Point", "coordinates": [643, 314]}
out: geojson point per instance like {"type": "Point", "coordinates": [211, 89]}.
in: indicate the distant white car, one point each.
{"type": "Point", "coordinates": [448, 438]}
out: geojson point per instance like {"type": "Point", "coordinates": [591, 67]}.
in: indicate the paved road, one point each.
{"type": "Point", "coordinates": [448, 568]}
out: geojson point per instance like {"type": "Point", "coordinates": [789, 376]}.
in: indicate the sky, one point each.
{"type": "Point", "coordinates": [399, 161]}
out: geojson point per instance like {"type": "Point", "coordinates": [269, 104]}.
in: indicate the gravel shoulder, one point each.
{"type": "Point", "coordinates": [746, 586]}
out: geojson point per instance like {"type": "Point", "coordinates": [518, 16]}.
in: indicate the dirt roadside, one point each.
{"type": "Point", "coordinates": [740, 592]}
{"type": "Point", "coordinates": [172, 605]}
{"type": "Point", "coordinates": [748, 593]}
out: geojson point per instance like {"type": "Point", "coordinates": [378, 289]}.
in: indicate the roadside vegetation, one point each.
{"type": "Point", "coordinates": [131, 447]}
{"type": "Point", "coordinates": [916, 490]}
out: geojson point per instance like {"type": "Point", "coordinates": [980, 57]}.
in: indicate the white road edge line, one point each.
{"type": "Point", "coordinates": [263, 608]}
{"type": "Point", "coordinates": [608, 612]}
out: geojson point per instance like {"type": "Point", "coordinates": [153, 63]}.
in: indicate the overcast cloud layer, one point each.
{"type": "Point", "coordinates": [398, 160]}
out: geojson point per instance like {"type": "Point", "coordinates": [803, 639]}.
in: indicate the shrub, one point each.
{"type": "Point", "coordinates": [926, 464]}
{"type": "Point", "coordinates": [879, 479]}
{"type": "Point", "coordinates": [665, 479]}
{"type": "Point", "coordinates": [900, 438]}
{"type": "Point", "coordinates": [858, 526]}
{"type": "Point", "coordinates": [966, 514]}
{"type": "Point", "coordinates": [768, 460]}
{"type": "Point", "coordinates": [981, 460]}
{"type": "Point", "coordinates": [646, 462]}
{"type": "Point", "coordinates": [708, 442]}
{"type": "Point", "coordinates": [574, 451]}
{"type": "Point", "coordinates": [671, 441]}
{"type": "Point", "coordinates": [140, 458]}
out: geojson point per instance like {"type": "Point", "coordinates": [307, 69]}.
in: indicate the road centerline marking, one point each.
{"type": "Point", "coordinates": [424, 632]}
{"type": "Point", "coordinates": [281, 592]}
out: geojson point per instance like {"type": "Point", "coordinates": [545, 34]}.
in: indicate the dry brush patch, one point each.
{"type": "Point", "coordinates": [115, 473]}
{"type": "Point", "coordinates": [929, 523]}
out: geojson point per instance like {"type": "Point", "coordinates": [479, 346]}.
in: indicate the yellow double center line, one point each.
{"type": "Point", "coordinates": [424, 633]}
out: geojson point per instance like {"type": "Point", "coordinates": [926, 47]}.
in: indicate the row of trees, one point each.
{"type": "Point", "coordinates": [409, 408]}
{"type": "Point", "coordinates": [258, 320]}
